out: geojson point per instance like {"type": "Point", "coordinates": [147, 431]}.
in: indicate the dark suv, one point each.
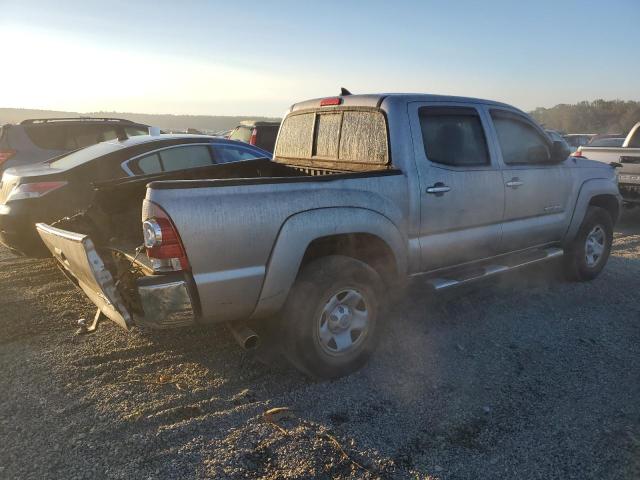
{"type": "Point", "coordinates": [261, 134]}
{"type": "Point", "coordinates": [36, 140]}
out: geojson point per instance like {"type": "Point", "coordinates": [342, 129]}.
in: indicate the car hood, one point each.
{"type": "Point", "coordinates": [586, 163]}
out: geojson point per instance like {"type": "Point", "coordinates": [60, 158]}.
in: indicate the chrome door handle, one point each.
{"type": "Point", "coordinates": [514, 183]}
{"type": "Point", "coordinates": [438, 189]}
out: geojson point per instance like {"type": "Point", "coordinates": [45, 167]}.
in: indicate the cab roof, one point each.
{"type": "Point", "coordinates": [376, 99]}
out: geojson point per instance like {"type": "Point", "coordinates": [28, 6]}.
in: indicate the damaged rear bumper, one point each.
{"type": "Point", "coordinates": [166, 300]}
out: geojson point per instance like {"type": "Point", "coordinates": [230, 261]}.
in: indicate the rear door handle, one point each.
{"type": "Point", "coordinates": [514, 183]}
{"type": "Point", "coordinates": [438, 189]}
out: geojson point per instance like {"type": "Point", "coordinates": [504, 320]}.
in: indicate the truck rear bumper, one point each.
{"type": "Point", "coordinates": [166, 300]}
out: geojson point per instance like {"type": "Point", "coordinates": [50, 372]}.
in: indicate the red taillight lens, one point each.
{"type": "Point", "coordinates": [325, 102]}
{"type": "Point", "coordinates": [162, 241]}
{"type": "Point", "coordinates": [577, 153]}
{"type": "Point", "coordinates": [6, 155]}
{"type": "Point", "coordinates": [254, 136]}
{"type": "Point", "coordinates": [34, 190]}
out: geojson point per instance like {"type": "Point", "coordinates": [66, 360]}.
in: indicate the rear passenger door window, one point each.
{"type": "Point", "coordinates": [453, 136]}
{"type": "Point", "coordinates": [180, 158]}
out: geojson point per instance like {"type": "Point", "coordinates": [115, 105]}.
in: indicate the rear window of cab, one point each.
{"type": "Point", "coordinates": [353, 139]}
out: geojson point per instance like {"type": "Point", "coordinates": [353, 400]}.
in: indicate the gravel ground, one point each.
{"type": "Point", "coordinates": [525, 377]}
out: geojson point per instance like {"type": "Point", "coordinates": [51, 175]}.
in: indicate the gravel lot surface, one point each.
{"type": "Point", "coordinates": [525, 377]}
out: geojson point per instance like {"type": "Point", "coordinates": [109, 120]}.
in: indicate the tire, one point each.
{"type": "Point", "coordinates": [589, 251]}
{"type": "Point", "coordinates": [331, 298]}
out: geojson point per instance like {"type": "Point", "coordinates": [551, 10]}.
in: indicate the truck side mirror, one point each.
{"type": "Point", "coordinates": [559, 152]}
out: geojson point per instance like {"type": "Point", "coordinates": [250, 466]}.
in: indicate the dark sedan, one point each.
{"type": "Point", "coordinates": [63, 186]}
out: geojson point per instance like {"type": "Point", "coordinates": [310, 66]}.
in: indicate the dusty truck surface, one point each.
{"type": "Point", "coordinates": [364, 192]}
{"type": "Point", "coordinates": [628, 156]}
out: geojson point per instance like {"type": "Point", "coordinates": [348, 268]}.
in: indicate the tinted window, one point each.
{"type": "Point", "coordinates": [80, 136]}
{"type": "Point", "coordinates": [233, 153]}
{"type": "Point", "coordinates": [520, 142]}
{"type": "Point", "coordinates": [185, 157]}
{"type": "Point", "coordinates": [133, 131]}
{"type": "Point", "coordinates": [150, 164]}
{"type": "Point", "coordinates": [50, 137]}
{"type": "Point", "coordinates": [267, 137]}
{"type": "Point", "coordinates": [85, 155]}
{"type": "Point", "coordinates": [453, 136]}
{"type": "Point", "coordinates": [242, 134]}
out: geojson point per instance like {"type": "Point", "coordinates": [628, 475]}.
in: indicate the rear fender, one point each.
{"type": "Point", "coordinates": [301, 229]}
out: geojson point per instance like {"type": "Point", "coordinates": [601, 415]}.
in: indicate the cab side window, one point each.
{"type": "Point", "coordinates": [453, 136]}
{"type": "Point", "coordinates": [520, 142]}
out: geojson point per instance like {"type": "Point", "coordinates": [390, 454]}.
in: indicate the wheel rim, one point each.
{"type": "Point", "coordinates": [594, 246]}
{"type": "Point", "coordinates": [343, 322]}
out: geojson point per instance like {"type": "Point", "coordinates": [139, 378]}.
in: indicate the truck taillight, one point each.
{"type": "Point", "coordinates": [6, 155]}
{"type": "Point", "coordinates": [162, 241]}
{"type": "Point", "coordinates": [578, 153]}
{"type": "Point", "coordinates": [254, 136]}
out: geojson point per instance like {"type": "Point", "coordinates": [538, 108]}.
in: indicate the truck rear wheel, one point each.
{"type": "Point", "coordinates": [330, 317]}
{"type": "Point", "coordinates": [588, 253]}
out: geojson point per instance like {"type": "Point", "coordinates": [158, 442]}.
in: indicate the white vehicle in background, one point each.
{"type": "Point", "coordinates": [628, 156]}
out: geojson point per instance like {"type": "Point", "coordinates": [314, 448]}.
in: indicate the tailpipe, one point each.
{"type": "Point", "coordinates": [247, 338]}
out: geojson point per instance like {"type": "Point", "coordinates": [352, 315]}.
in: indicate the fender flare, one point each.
{"type": "Point", "coordinates": [297, 233]}
{"type": "Point", "coordinates": [588, 190]}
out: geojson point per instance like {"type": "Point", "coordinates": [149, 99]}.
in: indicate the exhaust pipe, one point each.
{"type": "Point", "coordinates": [247, 338]}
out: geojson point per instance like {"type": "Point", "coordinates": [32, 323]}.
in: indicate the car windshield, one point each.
{"type": "Point", "coordinates": [84, 155]}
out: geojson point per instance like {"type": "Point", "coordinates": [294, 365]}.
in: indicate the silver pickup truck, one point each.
{"type": "Point", "coordinates": [363, 193]}
{"type": "Point", "coordinates": [628, 156]}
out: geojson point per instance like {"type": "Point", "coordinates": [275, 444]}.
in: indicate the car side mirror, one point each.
{"type": "Point", "coordinates": [559, 152]}
{"type": "Point", "coordinates": [538, 154]}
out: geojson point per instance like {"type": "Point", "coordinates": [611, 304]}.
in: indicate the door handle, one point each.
{"type": "Point", "coordinates": [438, 189]}
{"type": "Point", "coordinates": [514, 183]}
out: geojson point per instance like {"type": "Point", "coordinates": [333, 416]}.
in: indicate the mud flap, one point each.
{"type": "Point", "coordinates": [77, 254]}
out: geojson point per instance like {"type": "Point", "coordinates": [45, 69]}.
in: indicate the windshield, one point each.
{"type": "Point", "coordinates": [84, 155]}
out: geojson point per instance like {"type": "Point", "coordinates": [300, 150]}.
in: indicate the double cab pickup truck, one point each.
{"type": "Point", "coordinates": [628, 158]}
{"type": "Point", "coordinates": [363, 193]}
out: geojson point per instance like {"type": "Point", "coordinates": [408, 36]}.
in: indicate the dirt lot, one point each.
{"type": "Point", "coordinates": [528, 377]}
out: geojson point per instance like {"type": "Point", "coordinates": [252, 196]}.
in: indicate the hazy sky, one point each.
{"type": "Point", "coordinates": [258, 57]}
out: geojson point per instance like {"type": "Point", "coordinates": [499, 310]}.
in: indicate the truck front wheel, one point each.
{"type": "Point", "coordinates": [331, 315]}
{"type": "Point", "coordinates": [588, 253]}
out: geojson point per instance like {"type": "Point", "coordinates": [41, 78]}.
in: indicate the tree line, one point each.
{"type": "Point", "coordinates": [598, 116]}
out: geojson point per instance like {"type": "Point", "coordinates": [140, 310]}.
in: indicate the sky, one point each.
{"type": "Point", "coordinates": [214, 57]}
